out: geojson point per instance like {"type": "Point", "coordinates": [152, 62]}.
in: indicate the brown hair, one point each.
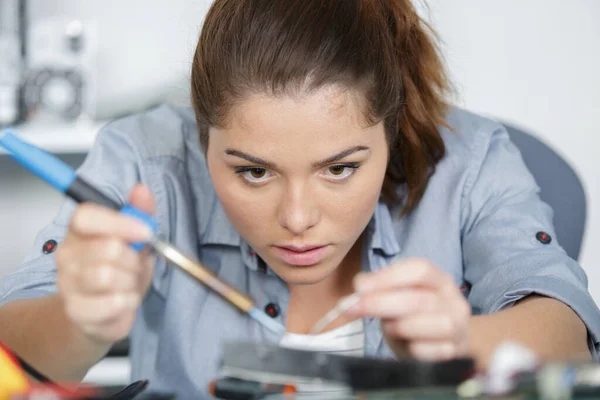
{"type": "Point", "coordinates": [382, 47]}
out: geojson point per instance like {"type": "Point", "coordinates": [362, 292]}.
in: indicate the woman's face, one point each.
{"type": "Point", "coordinates": [299, 178]}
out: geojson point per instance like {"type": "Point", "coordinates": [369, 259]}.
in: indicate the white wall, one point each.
{"type": "Point", "coordinates": [144, 47]}
{"type": "Point", "coordinates": [26, 205]}
{"type": "Point", "coordinates": [535, 63]}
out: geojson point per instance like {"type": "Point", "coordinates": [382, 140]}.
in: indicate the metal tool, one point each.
{"type": "Point", "coordinates": [334, 314]}
{"type": "Point", "coordinates": [62, 177]}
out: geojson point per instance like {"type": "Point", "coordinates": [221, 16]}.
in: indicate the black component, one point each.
{"type": "Point", "coordinates": [155, 396]}
{"type": "Point", "coordinates": [119, 349]}
{"type": "Point", "coordinates": [83, 192]}
{"type": "Point", "coordinates": [543, 237]}
{"type": "Point", "coordinates": [128, 392]}
{"type": "Point", "coordinates": [35, 91]}
{"type": "Point", "coordinates": [586, 392]}
{"type": "Point", "coordinates": [30, 370]}
{"type": "Point", "coordinates": [239, 389]}
{"type": "Point", "coordinates": [272, 310]}
{"type": "Point", "coordinates": [134, 391]}
{"type": "Point", "coordinates": [262, 265]}
{"type": "Point", "coordinates": [356, 372]}
{"type": "Point", "coordinates": [49, 246]}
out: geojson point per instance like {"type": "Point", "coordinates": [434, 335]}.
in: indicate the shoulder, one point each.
{"type": "Point", "coordinates": [480, 164]}
{"type": "Point", "coordinates": [163, 131]}
{"type": "Point", "coordinates": [477, 147]}
{"type": "Point", "coordinates": [470, 135]}
{"type": "Point", "coordinates": [153, 147]}
{"type": "Point", "coordinates": [482, 172]}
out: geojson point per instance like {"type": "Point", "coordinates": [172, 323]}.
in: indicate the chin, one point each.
{"type": "Point", "coordinates": [303, 275]}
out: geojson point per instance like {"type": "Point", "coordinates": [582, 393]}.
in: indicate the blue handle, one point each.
{"type": "Point", "coordinates": [47, 167]}
{"type": "Point", "coordinates": [142, 216]}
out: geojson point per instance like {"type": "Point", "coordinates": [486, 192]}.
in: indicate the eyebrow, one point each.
{"type": "Point", "coordinates": [340, 155]}
{"type": "Point", "coordinates": [259, 161]}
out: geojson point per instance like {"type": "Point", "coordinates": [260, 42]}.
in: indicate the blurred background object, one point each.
{"type": "Point", "coordinates": [12, 51]}
{"type": "Point", "coordinates": [100, 60]}
{"type": "Point", "coordinates": [60, 83]}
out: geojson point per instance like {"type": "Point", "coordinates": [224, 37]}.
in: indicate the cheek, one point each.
{"type": "Point", "coordinates": [351, 211]}
{"type": "Point", "coordinates": [245, 213]}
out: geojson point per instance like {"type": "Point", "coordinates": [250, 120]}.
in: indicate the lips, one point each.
{"type": "Point", "coordinates": [301, 255]}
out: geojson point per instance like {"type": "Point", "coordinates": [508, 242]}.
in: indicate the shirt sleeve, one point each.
{"type": "Point", "coordinates": [110, 165]}
{"type": "Point", "coordinates": [504, 261]}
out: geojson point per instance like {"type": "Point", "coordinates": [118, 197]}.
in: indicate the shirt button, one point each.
{"type": "Point", "coordinates": [272, 310]}
{"type": "Point", "coordinates": [49, 246]}
{"type": "Point", "coordinates": [543, 237]}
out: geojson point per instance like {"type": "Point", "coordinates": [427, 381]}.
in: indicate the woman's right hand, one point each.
{"type": "Point", "coordinates": [101, 279]}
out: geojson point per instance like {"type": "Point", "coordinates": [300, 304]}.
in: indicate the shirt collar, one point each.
{"type": "Point", "coordinates": [381, 235]}
{"type": "Point", "coordinates": [219, 229]}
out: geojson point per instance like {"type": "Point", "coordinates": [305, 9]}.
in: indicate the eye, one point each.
{"type": "Point", "coordinates": [341, 171]}
{"type": "Point", "coordinates": [337, 170]}
{"type": "Point", "coordinates": [254, 174]}
{"type": "Point", "coordinates": [257, 173]}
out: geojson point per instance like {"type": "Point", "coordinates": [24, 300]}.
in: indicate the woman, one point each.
{"type": "Point", "coordinates": [320, 159]}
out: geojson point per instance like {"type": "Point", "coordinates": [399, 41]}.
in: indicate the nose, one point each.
{"type": "Point", "coordinates": [297, 211]}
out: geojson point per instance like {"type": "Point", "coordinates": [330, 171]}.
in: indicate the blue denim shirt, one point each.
{"type": "Point", "coordinates": [477, 220]}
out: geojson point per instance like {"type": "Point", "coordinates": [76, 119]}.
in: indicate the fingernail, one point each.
{"type": "Point", "coordinates": [131, 300]}
{"type": "Point", "coordinates": [118, 300]}
{"type": "Point", "coordinates": [134, 300]}
{"type": "Point", "coordinates": [126, 301]}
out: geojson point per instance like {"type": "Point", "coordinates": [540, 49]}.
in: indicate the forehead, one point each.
{"type": "Point", "coordinates": [330, 115]}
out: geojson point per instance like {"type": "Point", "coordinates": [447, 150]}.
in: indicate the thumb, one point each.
{"type": "Point", "coordinates": [141, 198]}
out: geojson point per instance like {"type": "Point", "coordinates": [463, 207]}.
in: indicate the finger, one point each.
{"type": "Point", "coordinates": [100, 309]}
{"type": "Point", "coordinates": [98, 266]}
{"type": "Point", "coordinates": [109, 251]}
{"type": "Point", "coordinates": [148, 262]}
{"type": "Point", "coordinates": [422, 327]}
{"type": "Point", "coordinates": [406, 273]}
{"type": "Point", "coordinates": [141, 198]}
{"type": "Point", "coordinates": [105, 279]}
{"type": "Point", "coordinates": [64, 254]}
{"type": "Point", "coordinates": [433, 351]}
{"type": "Point", "coordinates": [110, 331]}
{"type": "Point", "coordinates": [395, 304]}
{"type": "Point", "coordinates": [95, 220]}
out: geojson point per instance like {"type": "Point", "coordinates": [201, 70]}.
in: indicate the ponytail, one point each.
{"type": "Point", "coordinates": [415, 143]}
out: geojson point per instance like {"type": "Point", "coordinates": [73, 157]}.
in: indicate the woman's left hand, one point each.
{"type": "Point", "coordinates": [422, 310]}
